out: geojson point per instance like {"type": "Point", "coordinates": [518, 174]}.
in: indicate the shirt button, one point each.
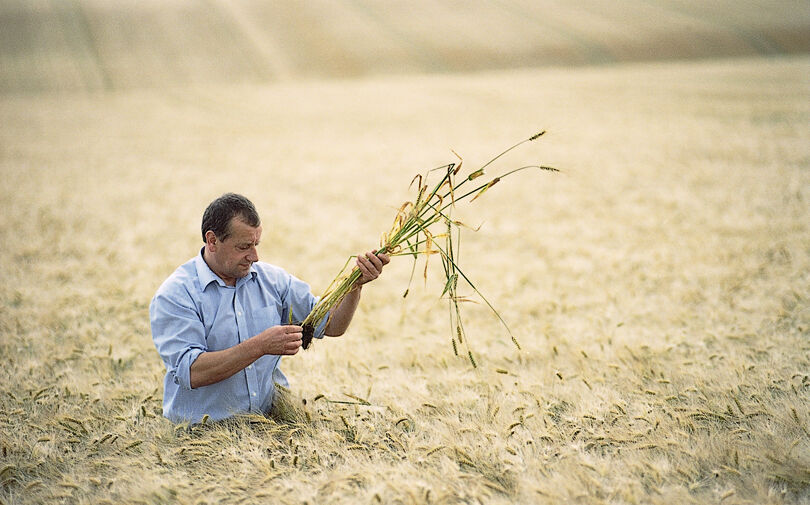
{"type": "Point", "coordinates": [239, 313]}
{"type": "Point", "coordinates": [254, 394]}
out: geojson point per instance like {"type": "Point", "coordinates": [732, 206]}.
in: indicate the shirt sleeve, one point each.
{"type": "Point", "coordinates": [178, 333]}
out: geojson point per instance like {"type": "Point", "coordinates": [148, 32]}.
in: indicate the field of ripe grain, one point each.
{"type": "Point", "coordinates": [659, 285]}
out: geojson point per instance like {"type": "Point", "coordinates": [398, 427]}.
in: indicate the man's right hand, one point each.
{"type": "Point", "coordinates": [281, 340]}
{"type": "Point", "coordinates": [214, 366]}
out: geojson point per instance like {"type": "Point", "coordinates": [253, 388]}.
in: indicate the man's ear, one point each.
{"type": "Point", "coordinates": [210, 241]}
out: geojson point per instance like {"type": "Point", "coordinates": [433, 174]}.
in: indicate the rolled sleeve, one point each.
{"type": "Point", "coordinates": [178, 333]}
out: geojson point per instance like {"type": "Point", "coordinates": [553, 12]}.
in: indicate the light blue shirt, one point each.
{"type": "Point", "coordinates": [194, 311]}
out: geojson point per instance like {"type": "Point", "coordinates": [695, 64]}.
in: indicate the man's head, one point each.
{"type": "Point", "coordinates": [231, 230]}
{"type": "Point", "coordinates": [219, 213]}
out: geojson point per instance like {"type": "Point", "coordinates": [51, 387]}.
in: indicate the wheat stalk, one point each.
{"type": "Point", "coordinates": [415, 232]}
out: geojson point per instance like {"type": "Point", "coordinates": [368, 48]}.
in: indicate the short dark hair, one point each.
{"type": "Point", "coordinates": [217, 216]}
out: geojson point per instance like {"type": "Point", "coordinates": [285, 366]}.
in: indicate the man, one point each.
{"type": "Point", "coordinates": [218, 322]}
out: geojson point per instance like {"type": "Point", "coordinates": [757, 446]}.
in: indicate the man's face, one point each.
{"type": "Point", "coordinates": [231, 258]}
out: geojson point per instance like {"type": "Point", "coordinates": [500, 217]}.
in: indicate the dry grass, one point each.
{"type": "Point", "coordinates": [659, 289]}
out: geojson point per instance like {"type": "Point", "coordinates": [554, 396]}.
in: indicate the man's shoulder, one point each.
{"type": "Point", "coordinates": [276, 278]}
{"type": "Point", "coordinates": [270, 273]}
{"type": "Point", "coordinates": [184, 278]}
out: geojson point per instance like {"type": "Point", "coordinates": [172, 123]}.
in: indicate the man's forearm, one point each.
{"type": "Point", "coordinates": [215, 366]}
{"type": "Point", "coordinates": [370, 265]}
{"type": "Point", "coordinates": [343, 313]}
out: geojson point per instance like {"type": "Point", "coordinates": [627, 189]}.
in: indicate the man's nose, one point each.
{"type": "Point", "coordinates": [253, 254]}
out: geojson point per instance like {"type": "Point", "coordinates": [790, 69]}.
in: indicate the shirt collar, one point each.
{"type": "Point", "coordinates": [251, 275]}
{"type": "Point", "coordinates": [204, 272]}
{"type": "Point", "coordinates": [207, 276]}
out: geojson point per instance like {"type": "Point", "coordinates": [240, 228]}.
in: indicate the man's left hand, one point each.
{"type": "Point", "coordinates": [371, 265]}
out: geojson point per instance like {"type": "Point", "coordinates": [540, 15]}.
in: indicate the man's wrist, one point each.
{"type": "Point", "coordinates": [255, 346]}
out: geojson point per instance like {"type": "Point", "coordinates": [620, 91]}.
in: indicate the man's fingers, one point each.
{"type": "Point", "coordinates": [364, 266]}
{"type": "Point", "coordinates": [292, 347]}
{"type": "Point", "coordinates": [371, 265]}
{"type": "Point", "coordinates": [375, 261]}
{"type": "Point", "coordinates": [283, 340]}
{"type": "Point", "coordinates": [378, 260]}
{"type": "Point", "coordinates": [291, 333]}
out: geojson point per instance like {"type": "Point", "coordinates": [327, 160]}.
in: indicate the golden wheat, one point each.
{"type": "Point", "coordinates": [658, 289]}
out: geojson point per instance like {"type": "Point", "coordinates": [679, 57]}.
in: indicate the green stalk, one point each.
{"type": "Point", "coordinates": [412, 223]}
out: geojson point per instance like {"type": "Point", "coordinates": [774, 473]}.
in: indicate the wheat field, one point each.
{"type": "Point", "coordinates": [659, 286]}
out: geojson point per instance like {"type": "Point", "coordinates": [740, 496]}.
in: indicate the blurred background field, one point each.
{"type": "Point", "coordinates": [659, 284]}
{"type": "Point", "coordinates": [101, 45]}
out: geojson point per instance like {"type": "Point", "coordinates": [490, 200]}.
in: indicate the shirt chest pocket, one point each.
{"type": "Point", "coordinates": [264, 318]}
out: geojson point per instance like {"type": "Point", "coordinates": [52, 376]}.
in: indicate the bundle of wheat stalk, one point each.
{"type": "Point", "coordinates": [426, 227]}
